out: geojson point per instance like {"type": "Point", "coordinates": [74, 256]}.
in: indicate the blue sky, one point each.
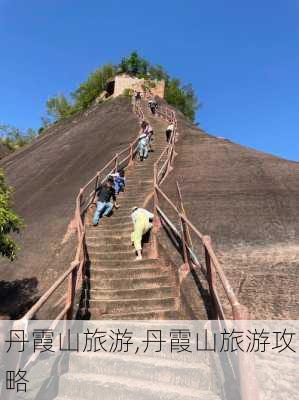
{"type": "Point", "coordinates": [241, 57]}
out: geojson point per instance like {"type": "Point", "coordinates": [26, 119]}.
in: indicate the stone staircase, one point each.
{"type": "Point", "coordinates": [119, 286]}
{"type": "Point", "coordinates": [146, 375]}
{"type": "Point", "coordinates": [140, 378]}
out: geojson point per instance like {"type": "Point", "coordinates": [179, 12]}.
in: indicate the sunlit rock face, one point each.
{"type": "Point", "coordinates": [248, 202]}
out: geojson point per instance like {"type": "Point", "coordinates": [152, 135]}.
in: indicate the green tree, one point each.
{"type": "Point", "coordinates": [9, 221]}
{"type": "Point", "coordinates": [134, 65]}
{"type": "Point", "coordinates": [14, 138]}
{"type": "Point", "coordinates": [182, 97]}
{"type": "Point", "coordinates": [89, 90]}
{"type": "Point", "coordinates": [59, 107]}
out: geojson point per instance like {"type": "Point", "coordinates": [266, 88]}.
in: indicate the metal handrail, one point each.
{"type": "Point", "coordinates": [75, 273]}
{"type": "Point", "coordinates": [215, 264]}
{"type": "Point", "coordinates": [248, 383]}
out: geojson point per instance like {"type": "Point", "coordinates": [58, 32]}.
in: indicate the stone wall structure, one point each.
{"type": "Point", "coordinates": [124, 81]}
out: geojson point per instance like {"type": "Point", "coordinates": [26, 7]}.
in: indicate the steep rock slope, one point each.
{"type": "Point", "coordinates": [4, 151]}
{"type": "Point", "coordinates": [47, 176]}
{"type": "Point", "coordinates": [248, 201]}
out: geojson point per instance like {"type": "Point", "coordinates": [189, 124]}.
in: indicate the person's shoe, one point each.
{"type": "Point", "coordinates": [94, 224]}
{"type": "Point", "coordinates": [138, 258]}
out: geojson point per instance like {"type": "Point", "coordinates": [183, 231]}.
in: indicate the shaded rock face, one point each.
{"type": "Point", "coordinates": [248, 202]}
{"type": "Point", "coordinates": [47, 176]}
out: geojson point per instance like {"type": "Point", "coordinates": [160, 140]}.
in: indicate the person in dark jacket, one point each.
{"type": "Point", "coordinates": [105, 193]}
{"type": "Point", "coordinates": [153, 106]}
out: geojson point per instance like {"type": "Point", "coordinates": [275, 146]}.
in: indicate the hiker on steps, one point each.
{"type": "Point", "coordinates": [119, 181]}
{"type": "Point", "coordinates": [137, 96]}
{"type": "Point", "coordinates": [142, 220]}
{"type": "Point", "coordinates": [169, 131]}
{"type": "Point", "coordinates": [104, 205]}
{"type": "Point", "coordinates": [143, 146]}
{"type": "Point", "coordinates": [148, 130]}
{"type": "Point", "coordinates": [153, 106]}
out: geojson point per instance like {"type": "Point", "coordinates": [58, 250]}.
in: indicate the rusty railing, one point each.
{"type": "Point", "coordinates": [211, 266]}
{"type": "Point", "coordinates": [75, 274]}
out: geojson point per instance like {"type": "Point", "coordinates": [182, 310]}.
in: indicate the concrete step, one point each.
{"type": "Point", "coordinates": [114, 224]}
{"type": "Point", "coordinates": [151, 368]}
{"type": "Point", "coordinates": [98, 387]}
{"type": "Point", "coordinates": [133, 283]}
{"type": "Point", "coordinates": [120, 217]}
{"type": "Point", "coordinates": [135, 186]}
{"type": "Point", "coordinates": [119, 240]}
{"type": "Point", "coordinates": [130, 182]}
{"type": "Point", "coordinates": [96, 237]}
{"type": "Point", "coordinates": [123, 218]}
{"type": "Point", "coordinates": [128, 294]}
{"type": "Point", "coordinates": [127, 205]}
{"type": "Point", "coordinates": [103, 229]}
{"type": "Point", "coordinates": [117, 271]}
{"type": "Point", "coordinates": [106, 245]}
{"type": "Point", "coordinates": [126, 264]}
{"type": "Point", "coordinates": [131, 305]}
{"type": "Point", "coordinates": [144, 316]}
{"type": "Point", "coordinates": [118, 256]}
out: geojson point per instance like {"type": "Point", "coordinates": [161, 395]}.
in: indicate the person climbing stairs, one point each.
{"type": "Point", "coordinates": [119, 286]}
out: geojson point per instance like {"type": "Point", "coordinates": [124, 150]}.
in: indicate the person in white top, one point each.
{"type": "Point", "coordinates": [148, 130]}
{"type": "Point", "coordinates": [142, 221]}
{"type": "Point", "coordinates": [143, 146]}
{"type": "Point", "coordinates": [168, 132]}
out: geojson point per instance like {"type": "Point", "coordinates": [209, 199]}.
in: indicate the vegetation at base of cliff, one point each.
{"type": "Point", "coordinates": [181, 96]}
{"type": "Point", "coordinates": [13, 138]}
{"type": "Point", "coordinates": [9, 221]}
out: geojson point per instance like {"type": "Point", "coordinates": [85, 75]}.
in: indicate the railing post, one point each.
{"type": "Point", "coordinates": [71, 290]}
{"type": "Point", "coordinates": [116, 163]}
{"type": "Point", "coordinates": [248, 382]}
{"type": "Point", "coordinates": [211, 276]}
{"type": "Point", "coordinates": [131, 154]}
{"type": "Point", "coordinates": [155, 229]}
{"type": "Point", "coordinates": [184, 243]}
{"type": "Point", "coordinates": [154, 250]}
{"type": "Point", "coordinates": [95, 187]}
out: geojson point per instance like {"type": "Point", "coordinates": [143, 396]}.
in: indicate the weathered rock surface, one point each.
{"type": "Point", "coordinates": [47, 176]}
{"type": "Point", "coordinates": [248, 202]}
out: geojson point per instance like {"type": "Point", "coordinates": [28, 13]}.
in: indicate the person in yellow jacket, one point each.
{"type": "Point", "coordinates": [142, 220]}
